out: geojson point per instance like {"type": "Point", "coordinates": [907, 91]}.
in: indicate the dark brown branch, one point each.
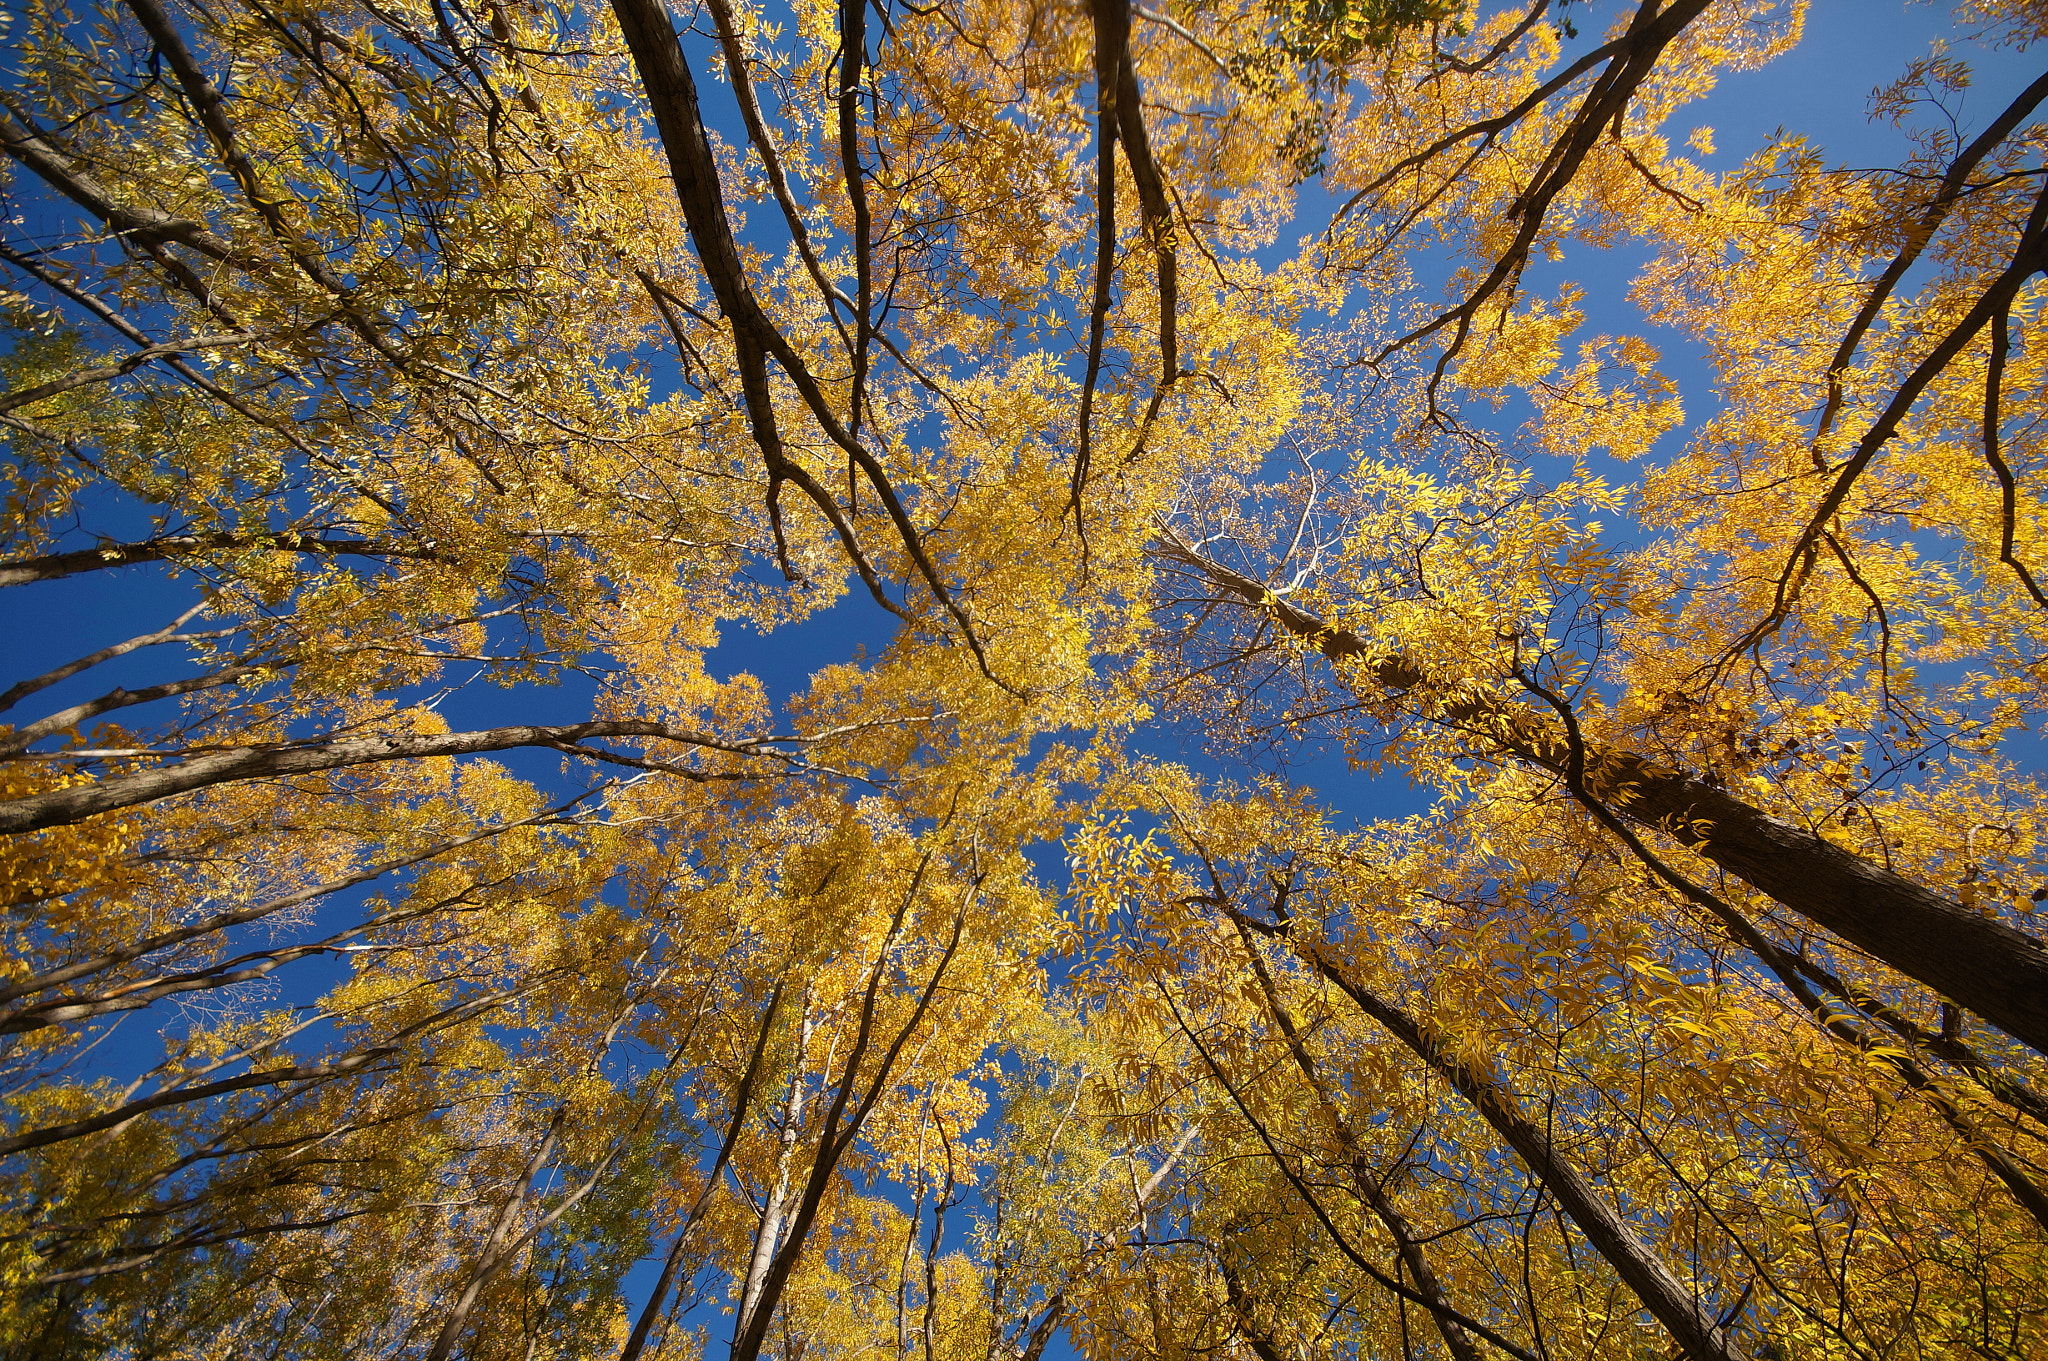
{"type": "Point", "coordinates": [1369, 1190]}
{"type": "Point", "coordinates": [18, 741]}
{"type": "Point", "coordinates": [1257, 1338]}
{"type": "Point", "coordinates": [21, 690]}
{"type": "Point", "coordinates": [120, 1115]}
{"type": "Point", "coordinates": [1634, 55]}
{"type": "Point", "coordinates": [1158, 213]}
{"type": "Point", "coordinates": [1112, 24]}
{"type": "Point", "coordinates": [771, 161]}
{"type": "Point", "coordinates": [1782, 964]}
{"type": "Point", "coordinates": [1315, 1205]}
{"type": "Point", "coordinates": [2030, 254]}
{"type": "Point", "coordinates": [672, 94]}
{"type": "Point", "coordinates": [212, 113]}
{"type": "Point", "coordinates": [1993, 969]}
{"type": "Point", "coordinates": [1487, 130]}
{"type": "Point", "coordinates": [1941, 1044]}
{"type": "Point", "coordinates": [2008, 489]}
{"type": "Point", "coordinates": [59, 807]}
{"type": "Point", "coordinates": [191, 1242]}
{"type": "Point", "coordinates": [1931, 217]}
{"type": "Point", "coordinates": [52, 566]}
{"type": "Point", "coordinates": [141, 993]}
{"type": "Point", "coordinates": [102, 373]}
{"type": "Point", "coordinates": [357, 482]}
{"type": "Point", "coordinates": [1158, 221]}
{"type": "Point", "coordinates": [1499, 49]}
{"type": "Point", "coordinates": [164, 940]}
{"type": "Point", "coordinates": [1676, 1307]}
{"type": "Point", "coordinates": [736, 63]}
{"type": "Point", "coordinates": [853, 40]}
{"type": "Point", "coordinates": [144, 225]}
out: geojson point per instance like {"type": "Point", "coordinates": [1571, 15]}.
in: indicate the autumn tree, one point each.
{"type": "Point", "coordinates": [425, 351]}
{"type": "Point", "coordinates": [1759, 736]}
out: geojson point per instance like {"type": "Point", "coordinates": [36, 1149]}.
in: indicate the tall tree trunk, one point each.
{"type": "Point", "coordinates": [1368, 1188]}
{"type": "Point", "coordinates": [1980, 963]}
{"type": "Point", "coordinates": [1676, 1307]}
{"type": "Point", "coordinates": [776, 1201]}
{"type": "Point", "coordinates": [742, 1101]}
{"type": "Point", "coordinates": [840, 1126]}
{"type": "Point", "coordinates": [488, 1259]}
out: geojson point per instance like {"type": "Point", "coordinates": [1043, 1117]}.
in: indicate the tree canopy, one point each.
{"type": "Point", "coordinates": [1191, 391]}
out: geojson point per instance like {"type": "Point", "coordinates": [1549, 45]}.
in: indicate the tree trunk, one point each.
{"type": "Point", "coordinates": [58, 807]}
{"type": "Point", "coordinates": [775, 1201]}
{"type": "Point", "coordinates": [1369, 1190]}
{"type": "Point", "coordinates": [1980, 963]}
{"type": "Point", "coordinates": [1677, 1308]}
{"type": "Point", "coordinates": [742, 1099]}
{"type": "Point", "coordinates": [52, 566]}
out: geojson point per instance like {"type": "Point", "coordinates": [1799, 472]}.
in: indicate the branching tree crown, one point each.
{"type": "Point", "coordinates": [429, 348]}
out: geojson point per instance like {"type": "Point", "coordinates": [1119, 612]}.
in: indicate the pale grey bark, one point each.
{"type": "Point", "coordinates": [775, 1200]}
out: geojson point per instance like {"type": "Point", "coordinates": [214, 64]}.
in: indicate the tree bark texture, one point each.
{"type": "Point", "coordinates": [1978, 962]}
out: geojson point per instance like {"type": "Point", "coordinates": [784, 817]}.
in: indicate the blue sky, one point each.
{"type": "Point", "coordinates": [1821, 90]}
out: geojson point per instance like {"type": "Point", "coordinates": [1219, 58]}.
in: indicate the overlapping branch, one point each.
{"type": "Point", "coordinates": [1629, 59]}
{"type": "Point", "coordinates": [672, 94]}
{"type": "Point", "coordinates": [1120, 118]}
{"type": "Point", "coordinates": [2029, 257]}
{"type": "Point", "coordinates": [172, 547]}
{"type": "Point", "coordinates": [1983, 964]}
{"type": "Point", "coordinates": [1677, 1307]}
{"type": "Point", "coordinates": [206, 769]}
